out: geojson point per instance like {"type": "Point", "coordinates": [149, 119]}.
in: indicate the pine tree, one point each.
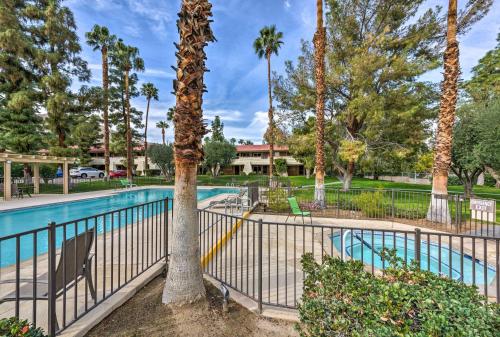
{"type": "Point", "coordinates": [59, 61]}
{"type": "Point", "coordinates": [217, 130]}
{"type": "Point", "coordinates": [20, 124]}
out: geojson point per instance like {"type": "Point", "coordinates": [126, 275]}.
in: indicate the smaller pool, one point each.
{"type": "Point", "coordinates": [367, 245]}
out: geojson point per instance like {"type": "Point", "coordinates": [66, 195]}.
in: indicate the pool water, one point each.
{"type": "Point", "coordinates": [22, 220]}
{"type": "Point", "coordinates": [429, 255]}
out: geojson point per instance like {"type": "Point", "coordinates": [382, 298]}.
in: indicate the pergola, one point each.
{"type": "Point", "coordinates": [8, 158]}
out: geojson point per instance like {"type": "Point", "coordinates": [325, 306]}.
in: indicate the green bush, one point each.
{"type": "Point", "coordinates": [13, 327]}
{"type": "Point", "coordinates": [277, 200]}
{"type": "Point", "coordinates": [371, 204]}
{"type": "Point", "coordinates": [341, 299]}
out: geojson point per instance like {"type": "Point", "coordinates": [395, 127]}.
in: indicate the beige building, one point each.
{"type": "Point", "coordinates": [250, 159]}
{"type": "Point", "coordinates": [117, 162]}
{"type": "Point", "coordinates": [255, 159]}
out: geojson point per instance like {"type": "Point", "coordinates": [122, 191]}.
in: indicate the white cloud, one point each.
{"type": "Point", "coordinates": [133, 30]}
{"type": "Point", "coordinates": [157, 13]}
{"type": "Point", "coordinates": [224, 114]}
{"type": "Point", "coordinates": [159, 73]}
{"type": "Point", "coordinates": [287, 4]}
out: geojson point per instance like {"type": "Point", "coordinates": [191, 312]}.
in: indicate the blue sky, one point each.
{"type": "Point", "coordinates": [236, 83]}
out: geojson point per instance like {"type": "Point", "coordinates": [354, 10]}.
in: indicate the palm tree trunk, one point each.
{"type": "Point", "coordinates": [163, 136]}
{"type": "Point", "coordinates": [146, 140]}
{"type": "Point", "coordinates": [439, 210]}
{"type": "Point", "coordinates": [184, 282]}
{"type": "Point", "coordinates": [130, 160]}
{"type": "Point", "coordinates": [105, 87]}
{"type": "Point", "coordinates": [319, 58]}
{"type": "Point", "coordinates": [271, 118]}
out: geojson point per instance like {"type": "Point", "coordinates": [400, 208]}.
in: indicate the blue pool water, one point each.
{"type": "Point", "coordinates": [18, 221]}
{"type": "Point", "coordinates": [429, 255]}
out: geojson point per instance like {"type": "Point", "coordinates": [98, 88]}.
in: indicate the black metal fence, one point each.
{"type": "Point", "coordinates": [406, 206]}
{"type": "Point", "coordinates": [261, 259]}
{"type": "Point", "coordinates": [56, 274]}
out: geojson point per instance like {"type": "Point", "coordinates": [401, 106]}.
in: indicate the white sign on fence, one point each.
{"type": "Point", "coordinates": [483, 209]}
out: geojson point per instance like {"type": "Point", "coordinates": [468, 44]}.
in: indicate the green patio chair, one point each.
{"type": "Point", "coordinates": [125, 183]}
{"type": "Point", "coordinates": [296, 211]}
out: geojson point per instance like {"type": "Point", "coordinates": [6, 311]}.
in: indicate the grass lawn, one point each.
{"type": "Point", "coordinates": [297, 181]}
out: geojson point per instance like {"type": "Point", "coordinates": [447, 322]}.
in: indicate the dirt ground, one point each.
{"type": "Point", "coordinates": [145, 315]}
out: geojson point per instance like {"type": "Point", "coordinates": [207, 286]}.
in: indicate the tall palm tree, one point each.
{"type": "Point", "coordinates": [163, 125]}
{"type": "Point", "coordinates": [319, 62]}
{"type": "Point", "coordinates": [184, 282]}
{"type": "Point", "coordinates": [268, 43]}
{"type": "Point", "coordinates": [438, 210]}
{"type": "Point", "coordinates": [126, 58]}
{"type": "Point", "coordinates": [99, 38]}
{"type": "Point", "coordinates": [149, 91]}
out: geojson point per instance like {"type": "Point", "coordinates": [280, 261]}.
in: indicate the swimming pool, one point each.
{"type": "Point", "coordinates": [23, 220]}
{"type": "Point", "coordinates": [371, 243]}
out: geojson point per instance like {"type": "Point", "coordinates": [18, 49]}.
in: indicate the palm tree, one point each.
{"type": "Point", "coordinates": [149, 91]}
{"type": "Point", "coordinates": [126, 58]}
{"type": "Point", "coordinates": [163, 125]}
{"type": "Point", "coordinates": [100, 39]}
{"type": "Point", "coordinates": [184, 282]}
{"type": "Point", "coordinates": [438, 210]}
{"type": "Point", "coordinates": [319, 62]}
{"type": "Point", "coordinates": [268, 43]}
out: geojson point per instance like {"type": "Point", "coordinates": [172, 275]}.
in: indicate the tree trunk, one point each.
{"type": "Point", "coordinates": [308, 173]}
{"type": "Point", "coordinates": [105, 118]}
{"type": "Point", "coordinates": [130, 159]}
{"type": "Point", "coordinates": [146, 140]}
{"type": "Point", "coordinates": [271, 119]}
{"type": "Point", "coordinates": [347, 178]}
{"type": "Point", "coordinates": [468, 183]}
{"type": "Point", "coordinates": [319, 58]}
{"type": "Point", "coordinates": [439, 210]}
{"type": "Point", "coordinates": [61, 138]}
{"type": "Point", "coordinates": [494, 174]}
{"type": "Point", "coordinates": [163, 136]}
{"type": "Point", "coordinates": [184, 282]}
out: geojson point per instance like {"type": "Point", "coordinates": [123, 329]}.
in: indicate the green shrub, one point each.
{"type": "Point", "coordinates": [341, 299]}
{"type": "Point", "coordinates": [371, 204]}
{"type": "Point", "coordinates": [454, 181]}
{"type": "Point", "coordinates": [277, 200]}
{"type": "Point", "coordinates": [13, 327]}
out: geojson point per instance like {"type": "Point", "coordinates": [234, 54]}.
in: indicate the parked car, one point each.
{"type": "Point", "coordinates": [86, 172]}
{"type": "Point", "coordinates": [117, 174]}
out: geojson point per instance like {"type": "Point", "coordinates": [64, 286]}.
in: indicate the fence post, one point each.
{"type": "Point", "coordinates": [52, 321]}
{"type": "Point", "coordinates": [392, 203]}
{"type": "Point", "coordinates": [165, 218]}
{"type": "Point", "coordinates": [259, 284]}
{"type": "Point", "coordinates": [417, 246]}
{"type": "Point", "coordinates": [338, 203]}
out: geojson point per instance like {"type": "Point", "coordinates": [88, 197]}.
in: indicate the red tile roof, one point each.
{"type": "Point", "coordinates": [259, 148]}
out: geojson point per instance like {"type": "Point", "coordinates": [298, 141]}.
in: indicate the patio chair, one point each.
{"type": "Point", "coordinates": [72, 250]}
{"type": "Point", "coordinates": [17, 192]}
{"type": "Point", "coordinates": [296, 211]}
{"type": "Point", "coordinates": [240, 200]}
{"type": "Point", "coordinates": [127, 184]}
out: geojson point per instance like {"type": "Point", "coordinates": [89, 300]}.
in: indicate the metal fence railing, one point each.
{"type": "Point", "coordinates": [406, 206]}
{"type": "Point", "coordinates": [261, 259]}
{"type": "Point", "coordinates": [56, 274]}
